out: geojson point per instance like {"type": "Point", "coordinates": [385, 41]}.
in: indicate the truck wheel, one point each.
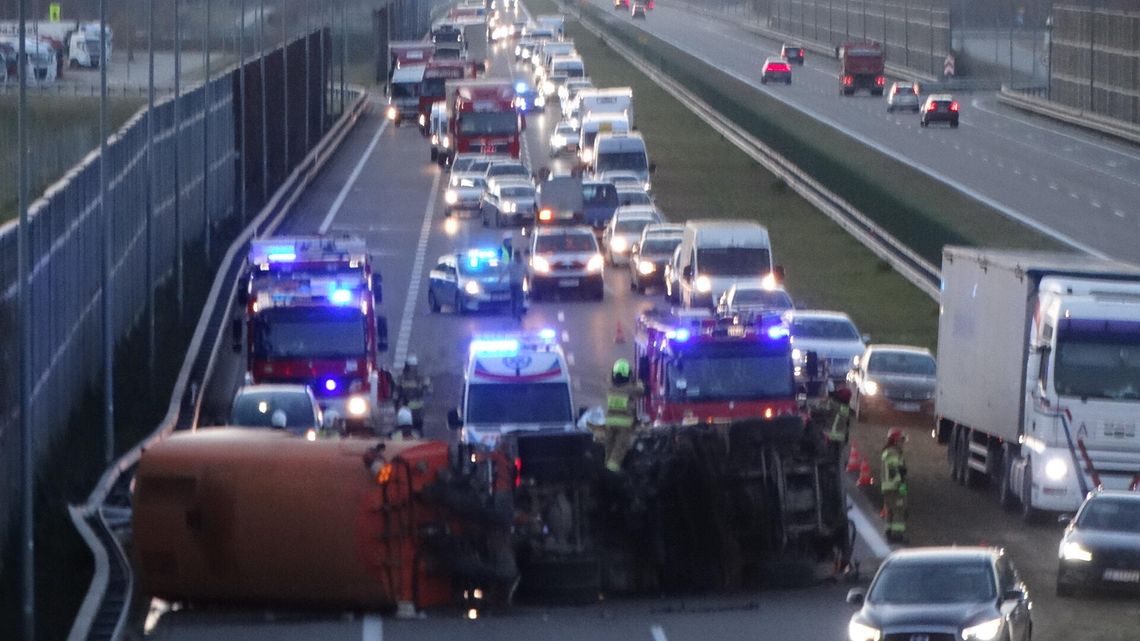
{"type": "Point", "coordinates": [1029, 514]}
{"type": "Point", "coordinates": [952, 452]}
{"type": "Point", "coordinates": [433, 304]}
{"type": "Point", "coordinates": [970, 476]}
{"type": "Point", "coordinates": [1006, 497]}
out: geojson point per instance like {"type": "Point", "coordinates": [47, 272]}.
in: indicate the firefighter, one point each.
{"type": "Point", "coordinates": [893, 485]}
{"type": "Point", "coordinates": [411, 387]}
{"type": "Point", "coordinates": [621, 414]}
{"type": "Point", "coordinates": [839, 416]}
{"type": "Point", "coordinates": [405, 430]}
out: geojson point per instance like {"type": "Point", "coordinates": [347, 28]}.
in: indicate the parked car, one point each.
{"type": "Point", "coordinates": [903, 95]}
{"type": "Point", "coordinates": [470, 280]}
{"type": "Point", "coordinates": [939, 108]}
{"type": "Point", "coordinates": [776, 70]}
{"type": "Point", "coordinates": [649, 255]}
{"type": "Point", "coordinates": [831, 335]}
{"type": "Point", "coordinates": [1101, 545]}
{"type": "Point", "coordinates": [793, 53]}
{"type": "Point", "coordinates": [895, 378]}
{"type": "Point", "coordinates": [943, 594]}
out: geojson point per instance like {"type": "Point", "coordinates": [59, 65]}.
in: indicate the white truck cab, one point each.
{"type": "Point", "coordinates": [622, 152]}
{"type": "Point", "coordinates": [715, 254]}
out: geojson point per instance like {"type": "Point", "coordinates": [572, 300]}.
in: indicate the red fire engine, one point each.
{"type": "Point", "coordinates": [310, 317]}
{"type": "Point", "coordinates": [481, 117]}
{"type": "Point", "coordinates": [698, 368]}
{"type": "Point", "coordinates": [434, 89]}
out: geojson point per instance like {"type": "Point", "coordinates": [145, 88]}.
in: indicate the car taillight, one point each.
{"type": "Point", "coordinates": [932, 106]}
{"type": "Point", "coordinates": [546, 215]}
{"type": "Point", "coordinates": [801, 53]}
{"type": "Point", "coordinates": [954, 106]}
{"type": "Point", "coordinates": [880, 81]}
{"type": "Point", "coordinates": [847, 80]}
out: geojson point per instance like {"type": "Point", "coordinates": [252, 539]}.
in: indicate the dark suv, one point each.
{"type": "Point", "coordinates": [939, 108]}
{"type": "Point", "coordinates": [793, 53]}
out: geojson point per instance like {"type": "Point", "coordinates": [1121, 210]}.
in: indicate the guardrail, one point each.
{"type": "Point", "coordinates": [905, 261]}
{"type": "Point", "coordinates": [1087, 120]}
{"type": "Point", "coordinates": [103, 614]}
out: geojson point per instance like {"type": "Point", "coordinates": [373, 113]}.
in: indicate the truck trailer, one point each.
{"type": "Point", "coordinates": [862, 66]}
{"type": "Point", "coordinates": [1039, 374]}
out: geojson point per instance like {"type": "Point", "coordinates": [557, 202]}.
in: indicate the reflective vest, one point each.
{"type": "Point", "coordinates": [892, 461]}
{"type": "Point", "coordinates": [839, 424]}
{"type": "Point", "coordinates": [412, 389]}
{"type": "Point", "coordinates": [620, 406]}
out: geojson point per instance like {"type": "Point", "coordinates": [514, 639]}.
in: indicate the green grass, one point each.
{"type": "Point", "coordinates": [700, 175]}
{"type": "Point", "coordinates": [62, 130]}
{"type": "Point", "coordinates": [920, 211]}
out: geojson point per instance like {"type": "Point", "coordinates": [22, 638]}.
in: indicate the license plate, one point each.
{"type": "Point", "coordinates": [907, 407]}
{"type": "Point", "coordinates": [568, 282]}
{"type": "Point", "coordinates": [1122, 576]}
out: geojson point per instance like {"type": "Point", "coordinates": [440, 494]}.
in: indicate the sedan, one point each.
{"type": "Point", "coordinates": [464, 193]}
{"type": "Point", "coordinates": [563, 139]}
{"type": "Point", "coordinates": [1101, 545]}
{"type": "Point", "coordinates": [939, 108]}
{"type": "Point", "coordinates": [895, 378]}
{"type": "Point", "coordinates": [959, 593]}
{"type": "Point", "coordinates": [831, 335]}
{"type": "Point", "coordinates": [624, 229]}
{"type": "Point", "coordinates": [649, 255]}
{"type": "Point", "coordinates": [508, 201]}
{"type": "Point", "coordinates": [903, 95]}
{"type": "Point", "coordinates": [637, 10]}
{"type": "Point", "coordinates": [776, 70]}
{"type": "Point", "coordinates": [793, 53]}
{"type": "Point", "coordinates": [469, 281]}
{"type": "Point", "coordinates": [753, 299]}
{"type": "Point", "coordinates": [289, 407]}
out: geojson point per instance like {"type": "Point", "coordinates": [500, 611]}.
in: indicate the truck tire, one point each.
{"type": "Point", "coordinates": [1029, 514]}
{"type": "Point", "coordinates": [1006, 497]}
{"type": "Point", "coordinates": [952, 452]}
{"type": "Point", "coordinates": [970, 476]}
{"type": "Point", "coordinates": [433, 304]}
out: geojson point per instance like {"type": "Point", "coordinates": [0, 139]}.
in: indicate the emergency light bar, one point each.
{"type": "Point", "coordinates": [512, 344]}
{"type": "Point", "coordinates": [308, 249]}
{"type": "Point", "coordinates": [500, 347]}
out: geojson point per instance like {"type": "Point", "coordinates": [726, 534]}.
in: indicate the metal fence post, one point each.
{"type": "Point", "coordinates": [264, 86]}
{"type": "Point", "coordinates": [149, 225]}
{"type": "Point", "coordinates": [285, 84]}
{"type": "Point", "coordinates": [178, 274]}
{"type": "Point", "coordinates": [308, 70]}
{"type": "Point", "coordinates": [108, 229]}
{"type": "Point", "coordinates": [344, 48]}
{"type": "Point", "coordinates": [242, 176]}
{"type": "Point", "coordinates": [23, 254]}
{"type": "Point", "coordinates": [206, 105]}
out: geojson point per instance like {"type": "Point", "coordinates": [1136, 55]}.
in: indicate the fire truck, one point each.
{"type": "Point", "coordinates": [481, 117]}
{"type": "Point", "coordinates": [433, 88]}
{"type": "Point", "coordinates": [310, 317]}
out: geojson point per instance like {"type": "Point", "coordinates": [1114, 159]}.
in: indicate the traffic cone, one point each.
{"type": "Point", "coordinates": [853, 459]}
{"type": "Point", "coordinates": [865, 477]}
{"type": "Point", "coordinates": [619, 335]}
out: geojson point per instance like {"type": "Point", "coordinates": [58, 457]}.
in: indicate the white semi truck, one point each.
{"type": "Point", "coordinates": [40, 67]}
{"type": "Point", "coordinates": [1039, 374]}
{"type": "Point", "coordinates": [79, 40]}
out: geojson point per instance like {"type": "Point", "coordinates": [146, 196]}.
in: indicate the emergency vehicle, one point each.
{"type": "Point", "coordinates": [482, 118]}
{"type": "Point", "coordinates": [404, 92]}
{"type": "Point", "coordinates": [433, 85]}
{"type": "Point", "coordinates": [310, 318]}
{"type": "Point", "coordinates": [698, 368]}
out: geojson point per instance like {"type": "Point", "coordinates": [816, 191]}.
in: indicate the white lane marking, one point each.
{"type": "Point", "coordinates": [900, 156]}
{"type": "Point", "coordinates": [352, 179]}
{"type": "Point", "coordinates": [372, 629]}
{"type": "Point", "coordinates": [417, 271]}
{"type": "Point", "coordinates": [1095, 204]}
{"type": "Point", "coordinates": [1118, 213]}
{"type": "Point", "coordinates": [570, 359]}
{"type": "Point", "coordinates": [561, 317]}
{"type": "Point", "coordinates": [869, 533]}
{"type": "Point", "coordinates": [657, 633]}
{"type": "Point", "coordinates": [565, 336]}
{"type": "Point", "coordinates": [979, 105]}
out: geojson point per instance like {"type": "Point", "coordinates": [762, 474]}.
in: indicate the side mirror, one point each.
{"type": "Point", "coordinates": [377, 288]}
{"type": "Point", "coordinates": [235, 334]}
{"type": "Point", "coordinates": [1013, 595]}
{"type": "Point", "coordinates": [453, 420]}
{"type": "Point", "coordinates": [778, 272]}
{"type": "Point", "coordinates": [652, 167]}
{"type": "Point", "coordinates": [856, 596]}
{"type": "Point", "coordinates": [687, 272]}
{"type": "Point", "coordinates": [381, 333]}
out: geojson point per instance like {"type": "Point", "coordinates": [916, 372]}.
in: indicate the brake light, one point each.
{"type": "Point", "coordinates": [518, 471]}
{"type": "Point", "coordinates": [801, 53]}
{"type": "Point", "coordinates": [847, 80]}
{"type": "Point", "coordinates": [954, 106]}
{"type": "Point", "coordinates": [880, 81]}
{"type": "Point", "coordinates": [546, 215]}
{"type": "Point", "coordinates": [933, 106]}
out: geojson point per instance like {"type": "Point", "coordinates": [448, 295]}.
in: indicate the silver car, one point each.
{"type": "Point", "coordinates": [564, 138]}
{"type": "Point", "coordinates": [624, 229]}
{"type": "Point", "coordinates": [753, 298]}
{"type": "Point", "coordinates": [289, 407]}
{"type": "Point", "coordinates": [831, 335]}
{"type": "Point", "coordinates": [508, 201]}
{"type": "Point", "coordinates": [903, 95]}
{"type": "Point", "coordinates": [893, 378]}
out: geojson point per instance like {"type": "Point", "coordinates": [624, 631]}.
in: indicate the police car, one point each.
{"type": "Point", "coordinates": [514, 383]}
{"type": "Point", "coordinates": [470, 280]}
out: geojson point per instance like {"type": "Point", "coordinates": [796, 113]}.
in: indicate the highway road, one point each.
{"type": "Point", "coordinates": [1079, 186]}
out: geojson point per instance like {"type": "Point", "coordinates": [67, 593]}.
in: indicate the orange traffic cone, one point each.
{"type": "Point", "coordinates": [619, 335]}
{"type": "Point", "coordinates": [853, 459]}
{"type": "Point", "coordinates": [865, 477]}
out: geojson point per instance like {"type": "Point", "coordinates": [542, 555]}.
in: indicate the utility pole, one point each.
{"type": "Point", "coordinates": [23, 256]}
{"type": "Point", "coordinates": [264, 104]}
{"type": "Point", "coordinates": [149, 224]}
{"type": "Point", "coordinates": [178, 249]}
{"type": "Point", "coordinates": [206, 146]}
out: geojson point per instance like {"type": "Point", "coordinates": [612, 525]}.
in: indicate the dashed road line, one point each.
{"type": "Point", "coordinates": [405, 334]}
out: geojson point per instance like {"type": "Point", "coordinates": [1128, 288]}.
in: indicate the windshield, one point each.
{"type": "Point", "coordinates": [568, 70]}
{"type": "Point", "coordinates": [901, 363]}
{"type": "Point", "coordinates": [632, 226]}
{"type": "Point", "coordinates": [634, 197]}
{"type": "Point", "coordinates": [517, 192]}
{"type": "Point", "coordinates": [444, 53]}
{"type": "Point", "coordinates": [257, 409]}
{"type": "Point", "coordinates": [1098, 359]}
{"type": "Point", "coordinates": [433, 88]}
{"type": "Point", "coordinates": [734, 261]}
{"type": "Point", "coordinates": [488, 123]}
{"type": "Point", "coordinates": [565, 242]}
{"type": "Point", "coordinates": [462, 165]}
{"type": "Point", "coordinates": [404, 89]}
{"type": "Point", "coordinates": [826, 329]}
{"type": "Point", "coordinates": [595, 194]}
{"type": "Point", "coordinates": [519, 403]}
{"type": "Point", "coordinates": [446, 36]}
{"type": "Point", "coordinates": [934, 581]}
{"type": "Point", "coordinates": [309, 332]}
{"type": "Point", "coordinates": [774, 299]}
{"type": "Point", "coordinates": [730, 371]}
{"type": "Point", "coordinates": [660, 246]}
{"type": "Point", "coordinates": [1113, 515]}
{"type": "Point", "coordinates": [505, 169]}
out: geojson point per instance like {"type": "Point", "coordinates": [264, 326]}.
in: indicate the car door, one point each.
{"type": "Point", "coordinates": [490, 207]}
{"type": "Point", "coordinates": [442, 279]}
{"type": "Point", "coordinates": [1015, 611]}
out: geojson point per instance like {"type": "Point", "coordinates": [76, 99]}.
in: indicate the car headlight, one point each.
{"type": "Point", "coordinates": [1073, 551]}
{"type": "Point", "coordinates": [421, 120]}
{"type": "Point", "coordinates": [769, 281]}
{"type": "Point", "coordinates": [595, 263]}
{"type": "Point", "coordinates": [646, 267]}
{"type": "Point", "coordinates": [983, 631]}
{"type": "Point", "coordinates": [435, 139]}
{"type": "Point", "coordinates": [540, 264]}
{"type": "Point", "coordinates": [547, 87]}
{"type": "Point", "coordinates": [472, 287]}
{"type": "Point", "coordinates": [558, 140]}
{"type": "Point", "coordinates": [797, 355]}
{"type": "Point", "coordinates": [451, 197]}
{"type": "Point", "coordinates": [648, 186]}
{"type": "Point", "coordinates": [1056, 469]}
{"type": "Point", "coordinates": [392, 112]}
{"type": "Point", "coordinates": [618, 244]}
{"type": "Point", "coordinates": [587, 155]}
{"type": "Point", "coordinates": [510, 208]}
{"type": "Point", "coordinates": [518, 51]}
{"type": "Point", "coordinates": [870, 388]}
{"type": "Point", "coordinates": [357, 406]}
{"type": "Point", "coordinates": [858, 632]}
{"type": "Point", "coordinates": [540, 102]}
{"type": "Point", "coordinates": [446, 141]}
{"type": "Point", "coordinates": [704, 285]}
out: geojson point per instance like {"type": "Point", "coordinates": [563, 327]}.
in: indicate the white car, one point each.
{"type": "Point", "coordinates": [622, 178]}
{"type": "Point", "coordinates": [569, 91]}
{"type": "Point", "coordinates": [564, 138]}
{"type": "Point", "coordinates": [831, 335]}
{"type": "Point", "coordinates": [565, 258]}
{"type": "Point", "coordinates": [753, 298]}
{"type": "Point", "coordinates": [624, 229]}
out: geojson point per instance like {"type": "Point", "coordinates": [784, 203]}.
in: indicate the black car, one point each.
{"type": "Point", "coordinates": [1101, 545]}
{"type": "Point", "coordinates": [959, 593]}
{"type": "Point", "coordinates": [793, 53]}
{"type": "Point", "coordinates": [939, 108]}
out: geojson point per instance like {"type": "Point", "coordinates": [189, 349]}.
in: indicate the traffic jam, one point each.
{"type": "Point", "coordinates": [731, 406]}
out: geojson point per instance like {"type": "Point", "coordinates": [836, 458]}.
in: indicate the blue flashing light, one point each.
{"type": "Point", "coordinates": [341, 296]}
{"type": "Point", "coordinates": [547, 334]}
{"type": "Point", "coordinates": [499, 347]}
{"type": "Point", "coordinates": [281, 254]}
{"type": "Point", "coordinates": [776, 332]}
{"type": "Point", "coordinates": [477, 258]}
{"type": "Point", "coordinates": [679, 335]}
{"type": "Point", "coordinates": [520, 87]}
{"type": "Point", "coordinates": [330, 384]}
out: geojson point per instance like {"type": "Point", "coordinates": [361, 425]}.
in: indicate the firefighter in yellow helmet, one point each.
{"type": "Point", "coordinates": [893, 485]}
{"type": "Point", "coordinates": [621, 414]}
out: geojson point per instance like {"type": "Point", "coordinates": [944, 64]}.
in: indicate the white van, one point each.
{"type": "Point", "coordinates": [715, 254]}
{"type": "Point", "coordinates": [622, 152]}
{"type": "Point", "coordinates": [562, 68]}
{"type": "Point", "coordinates": [437, 131]}
{"type": "Point", "coordinates": [592, 125]}
{"type": "Point", "coordinates": [608, 100]}
{"type": "Point", "coordinates": [547, 50]}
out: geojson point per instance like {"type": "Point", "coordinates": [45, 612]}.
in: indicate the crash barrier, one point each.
{"type": "Point", "coordinates": [1031, 102]}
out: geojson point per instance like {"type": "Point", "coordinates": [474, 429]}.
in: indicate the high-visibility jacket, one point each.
{"type": "Point", "coordinates": [621, 405]}
{"type": "Point", "coordinates": [893, 463]}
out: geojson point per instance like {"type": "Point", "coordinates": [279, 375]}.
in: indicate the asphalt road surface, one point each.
{"type": "Point", "coordinates": [1084, 187]}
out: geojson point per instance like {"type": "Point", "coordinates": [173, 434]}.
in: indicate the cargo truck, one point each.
{"type": "Point", "coordinates": [1039, 374]}
{"type": "Point", "coordinates": [861, 66]}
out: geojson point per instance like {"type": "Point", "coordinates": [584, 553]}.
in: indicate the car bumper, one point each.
{"type": "Point", "coordinates": [1106, 573]}
{"type": "Point", "coordinates": [485, 300]}
{"type": "Point", "coordinates": [899, 405]}
{"type": "Point", "coordinates": [565, 280]}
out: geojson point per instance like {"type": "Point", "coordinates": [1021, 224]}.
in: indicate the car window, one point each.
{"type": "Point", "coordinates": [256, 410]}
{"type": "Point", "coordinates": [912, 581]}
{"type": "Point", "coordinates": [824, 328]}
{"type": "Point", "coordinates": [1115, 515]}
{"type": "Point", "coordinates": [660, 245]}
{"type": "Point", "coordinates": [520, 191]}
{"type": "Point", "coordinates": [901, 363]}
{"type": "Point", "coordinates": [565, 242]}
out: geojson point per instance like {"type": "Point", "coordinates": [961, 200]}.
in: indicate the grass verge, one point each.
{"type": "Point", "coordinates": [923, 213]}
{"type": "Point", "coordinates": [701, 175]}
